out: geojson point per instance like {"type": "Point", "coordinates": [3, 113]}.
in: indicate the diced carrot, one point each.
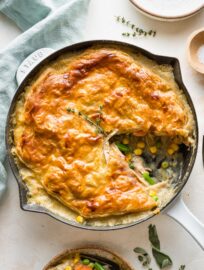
{"type": "Point", "coordinates": [82, 267]}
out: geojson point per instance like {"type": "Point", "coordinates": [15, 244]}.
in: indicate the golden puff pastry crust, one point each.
{"type": "Point", "coordinates": [66, 114]}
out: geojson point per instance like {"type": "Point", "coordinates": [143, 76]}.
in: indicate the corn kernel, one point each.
{"type": "Point", "coordinates": [80, 219]}
{"type": "Point", "coordinates": [174, 146]}
{"type": "Point", "coordinates": [141, 144]}
{"type": "Point", "coordinates": [153, 149]}
{"type": "Point", "coordinates": [170, 151]}
{"type": "Point", "coordinates": [125, 141]}
{"type": "Point", "coordinates": [128, 157]}
{"type": "Point", "coordinates": [68, 268]}
{"type": "Point", "coordinates": [76, 259]}
{"type": "Point", "coordinates": [138, 152]}
{"type": "Point", "coordinates": [152, 193]}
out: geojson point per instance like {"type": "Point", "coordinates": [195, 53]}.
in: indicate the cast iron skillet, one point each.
{"type": "Point", "coordinates": [189, 155]}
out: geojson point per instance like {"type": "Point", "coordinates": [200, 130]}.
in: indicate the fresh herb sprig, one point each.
{"type": "Point", "coordinates": [99, 129]}
{"type": "Point", "coordinates": [136, 31]}
{"type": "Point", "coordinates": [162, 259]}
{"type": "Point", "coordinates": [99, 118]}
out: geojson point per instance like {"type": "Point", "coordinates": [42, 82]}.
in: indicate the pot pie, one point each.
{"type": "Point", "coordinates": [87, 259]}
{"type": "Point", "coordinates": [98, 134]}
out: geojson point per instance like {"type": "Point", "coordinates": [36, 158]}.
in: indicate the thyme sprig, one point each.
{"type": "Point", "coordinates": [136, 31]}
{"type": "Point", "coordinates": [99, 129]}
{"type": "Point", "coordinates": [99, 118]}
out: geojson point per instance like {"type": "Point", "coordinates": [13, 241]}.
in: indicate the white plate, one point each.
{"type": "Point", "coordinates": [169, 9]}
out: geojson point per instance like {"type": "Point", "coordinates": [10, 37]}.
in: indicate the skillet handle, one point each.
{"type": "Point", "coordinates": [180, 213]}
{"type": "Point", "coordinates": [30, 62]}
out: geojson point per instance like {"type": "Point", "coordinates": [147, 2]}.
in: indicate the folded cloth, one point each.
{"type": "Point", "coordinates": [50, 23]}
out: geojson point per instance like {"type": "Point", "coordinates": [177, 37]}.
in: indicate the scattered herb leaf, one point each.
{"type": "Point", "coordinates": [139, 250]}
{"type": "Point", "coordinates": [161, 258]}
{"type": "Point", "coordinates": [144, 257]}
{"type": "Point", "coordinates": [140, 258]}
{"type": "Point", "coordinates": [153, 236]}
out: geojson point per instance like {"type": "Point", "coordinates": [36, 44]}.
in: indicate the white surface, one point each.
{"type": "Point", "coordinates": [169, 8]}
{"type": "Point", "coordinates": [28, 240]}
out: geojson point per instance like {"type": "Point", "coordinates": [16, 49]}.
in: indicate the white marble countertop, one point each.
{"type": "Point", "coordinates": [28, 240]}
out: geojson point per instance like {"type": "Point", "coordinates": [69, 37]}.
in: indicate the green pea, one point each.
{"type": "Point", "coordinates": [91, 265]}
{"type": "Point", "coordinates": [155, 198]}
{"type": "Point", "coordinates": [165, 164]}
{"type": "Point", "coordinates": [98, 266]}
{"type": "Point", "coordinates": [86, 261]}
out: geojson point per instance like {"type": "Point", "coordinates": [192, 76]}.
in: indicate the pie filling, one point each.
{"type": "Point", "coordinates": [103, 132]}
{"type": "Point", "coordinates": [83, 261]}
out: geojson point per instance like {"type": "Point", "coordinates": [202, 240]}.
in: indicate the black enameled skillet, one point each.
{"type": "Point", "coordinates": [175, 207]}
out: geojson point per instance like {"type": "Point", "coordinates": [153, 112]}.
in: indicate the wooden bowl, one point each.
{"type": "Point", "coordinates": [92, 251]}
{"type": "Point", "coordinates": [195, 43]}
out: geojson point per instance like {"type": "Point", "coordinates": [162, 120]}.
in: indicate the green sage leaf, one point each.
{"type": "Point", "coordinates": [144, 258]}
{"type": "Point", "coordinates": [140, 258]}
{"type": "Point", "coordinates": [161, 258]}
{"type": "Point", "coordinates": [153, 236]}
{"type": "Point", "coordinates": [140, 250]}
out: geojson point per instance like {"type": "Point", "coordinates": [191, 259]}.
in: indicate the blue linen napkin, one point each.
{"type": "Point", "coordinates": [48, 23]}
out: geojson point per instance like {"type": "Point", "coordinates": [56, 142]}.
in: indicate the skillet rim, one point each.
{"type": "Point", "coordinates": [174, 62]}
